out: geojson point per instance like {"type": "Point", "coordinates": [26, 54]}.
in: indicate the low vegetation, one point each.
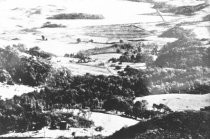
{"type": "Point", "coordinates": [76, 16]}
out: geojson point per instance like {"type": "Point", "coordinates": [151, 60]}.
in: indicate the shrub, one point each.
{"type": "Point", "coordinates": [78, 40]}
{"type": "Point", "coordinates": [91, 40]}
{"type": "Point", "coordinates": [121, 41]}
{"type": "Point", "coordinates": [67, 55]}
{"type": "Point", "coordinates": [114, 60]}
{"type": "Point", "coordinates": [84, 123]}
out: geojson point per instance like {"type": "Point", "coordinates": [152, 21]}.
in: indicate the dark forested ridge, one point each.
{"type": "Point", "coordinates": [189, 124]}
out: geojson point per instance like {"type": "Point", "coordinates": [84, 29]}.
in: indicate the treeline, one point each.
{"type": "Point", "coordinates": [190, 53]}
{"type": "Point", "coordinates": [92, 91]}
{"type": "Point", "coordinates": [25, 113]}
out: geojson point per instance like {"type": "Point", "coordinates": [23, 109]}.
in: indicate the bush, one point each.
{"type": "Point", "coordinates": [84, 123]}
{"type": "Point", "coordinates": [78, 40]}
{"type": "Point", "coordinates": [117, 67]}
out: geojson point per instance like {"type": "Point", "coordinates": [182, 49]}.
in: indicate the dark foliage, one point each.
{"type": "Point", "coordinates": [189, 10]}
{"type": "Point", "coordinates": [30, 71]}
{"type": "Point", "coordinates": [5, 77]}
{"type": "Point", "coordinates": [182, 53]}
{"type": "Point", "coordinates": [175, 125]}
{"type": "Point", "coordinates": [90, 90]}
{"type": "Point", "coordinates": [24, 113]}
{"type": "Point", "coordinates": [27, 70]}
{"type": "Point", "coordinates": [199, 89]}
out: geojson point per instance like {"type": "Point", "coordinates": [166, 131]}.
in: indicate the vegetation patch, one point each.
{"type": "Point", "coordinates": [188, 10]}
{"type": "Point", "coordinates": [206, 18]}
{"type": "Point", "coordinates": [179, 10]}
{"type": "Point", "coordinates": [183, 53]}
{"type": "Point", "coordinates": [36, 51]}
{"type": "Point", "coordinates": [76, 16]}
{"type": "Point", "coordinates": [18, 115]}
{"type": "Point", "coordinates": [177, 32]}
{"type": "Point", "coordinates": [24, 69]}
{"type": "Point", "coordinates": [170, 80]}
{"type": "Point", "coordinates": [50, 25]}
{"type": "Point", "coordinates": [175, 125]}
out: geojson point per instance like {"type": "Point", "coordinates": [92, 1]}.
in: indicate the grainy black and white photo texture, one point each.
{"type": "Point", "coordinates": [105, 69]}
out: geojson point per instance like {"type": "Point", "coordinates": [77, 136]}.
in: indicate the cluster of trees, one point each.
{"type": "Point", "coordinates": [129, 52]}
{"type": "Point", "coordinates": [91, 90]}
{"type": "Point", "coordinates": [188, 54]}
{"type": "Point", "coordinates": [28, 70]}
{"type": "Point", "coordinates": [65, 91]}
{"type": "Point", "coordinates": [83, 58]}
{"type": "Point", "coordinates": [25, 113]}
{"type": "Point", "coordinates": [19, 116]}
